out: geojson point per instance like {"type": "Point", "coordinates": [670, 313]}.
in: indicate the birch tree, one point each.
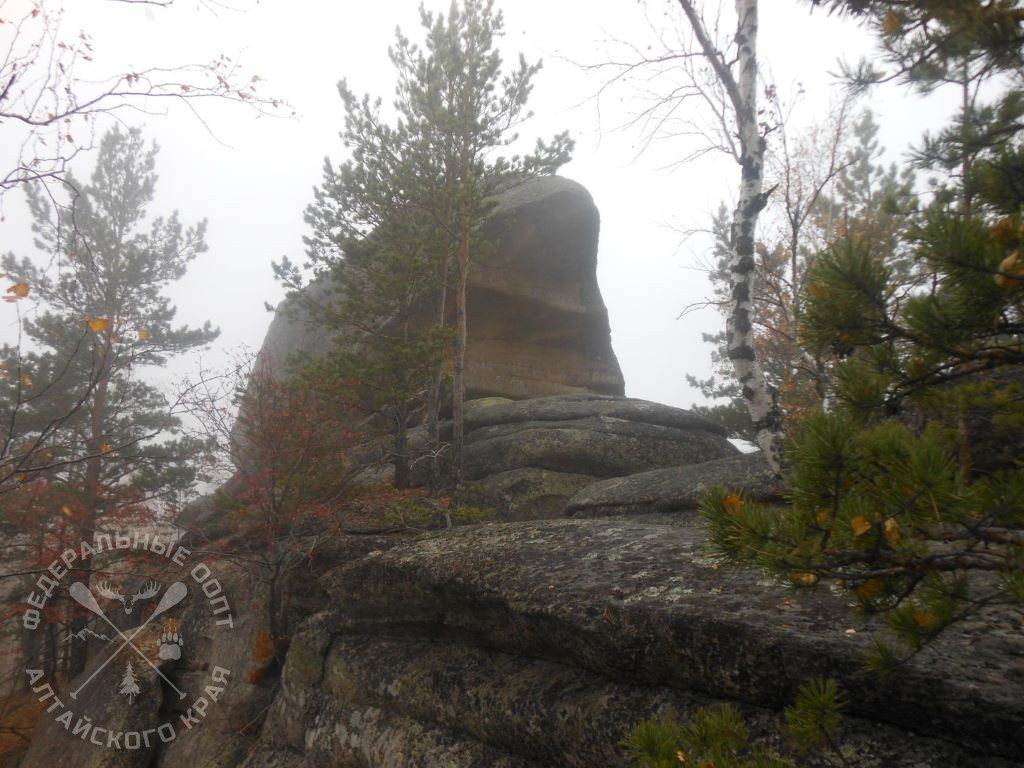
{"type": "Point", "coordinates": [737, 75]}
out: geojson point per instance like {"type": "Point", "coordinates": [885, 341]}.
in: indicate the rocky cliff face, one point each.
{"type": "Point", "coordinates": [536, 644]}
{"type": "Point", "coordinates": [584, 602]}
{"type": "Point", "coordinates": [536, 321]}
{"type": "Point", "coordinates": [539, 643]}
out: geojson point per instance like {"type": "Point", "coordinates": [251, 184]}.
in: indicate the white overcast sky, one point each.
{"type": "Point", "coordinates": [253, 181]}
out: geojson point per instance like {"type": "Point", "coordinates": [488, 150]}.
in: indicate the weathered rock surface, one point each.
{"type": "Point", "coordinates": [100, 702]}
{"type": "Point", "coordinates": [491, 411]}
{"type": "Point", "coordinates": [527, 458]}
{"type": "Point", "coordinates": [676, 488]}
{"type": "Point", "coordinates": [540, 643]}
{"type": "Point", "coordinates": [537, 644]}
{"type": "Point", "coordinates": [602, 448]}
{"type": "Point", "coordinates": [537, 323]}
{"type": "Point", "coordinates": [524, 494]}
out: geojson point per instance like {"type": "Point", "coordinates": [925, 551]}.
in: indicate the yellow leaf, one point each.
{"type": "Point", "coordinates": [20, 290]}
{"type": "Point", "coordinates": [98, 324]}
{"type": "Point", "coordinates": [26, 380]}
{"type": "Point", "coordinates": [143, 334]}
{"type": "Point", "coordinates": [67, 511]}
{"type": "Point", "coordinates": [822, 518]}
{"type": "Point", "coordinates": [892, 532]}
{"type": "Point", "coordinates": [1011, 271]}
{"type": "Point", "coordinates": [860, 525]}
{"type": "Point", "coordinates": [803, 577]}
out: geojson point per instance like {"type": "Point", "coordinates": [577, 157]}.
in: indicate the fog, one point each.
{"type": "Point", "coordinates": [251, 176]}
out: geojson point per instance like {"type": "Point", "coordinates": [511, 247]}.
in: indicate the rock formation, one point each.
{"type": "Point", "coordinates": [539, 643]}
{"type": "Point", "coordinates": [527, 458]}
{"type": "Point", "coordinates": [536, 321]}
{"type": "Point", "coordinates": [531, 640]}
{"type": "Point", "coordinates": [676, 488]}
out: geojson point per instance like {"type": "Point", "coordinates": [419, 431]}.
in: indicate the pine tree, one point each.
{"type": "Point", "coordinates": [909, 492]}
{"type": "Point", "coordinates": [719, 737]}
{"type": "Point", "coordinates": [103, 318]}
{"type": "Point", "coordinates": [470, 107]}
{"type": "Point", "coordinates": [401, 218]}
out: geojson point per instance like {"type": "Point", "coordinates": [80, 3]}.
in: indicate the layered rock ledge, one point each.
{"type": "Point", "coordinates": [539, 643]}
{"type": "Point", "coordinates": [677, 488]}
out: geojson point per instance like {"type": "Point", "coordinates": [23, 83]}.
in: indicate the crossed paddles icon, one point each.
{"type": "Point", "coordinates": [84, 597]}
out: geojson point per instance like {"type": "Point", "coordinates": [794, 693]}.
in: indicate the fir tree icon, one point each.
{"type": "Point", "coordinates": [129, 687]}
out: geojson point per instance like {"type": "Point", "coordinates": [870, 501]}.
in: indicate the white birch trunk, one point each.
{"type": "Point", "coordinates": [742, 94]}
{"type": "Point", "coordinates": [761, 400]}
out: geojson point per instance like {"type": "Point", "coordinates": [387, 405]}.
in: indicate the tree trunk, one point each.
{"type": "Point", "coordinates": [437, 377]}
{"type": "Point", "coordinates": [762, 403]}
{"type": "Point", "coordinates": [400, 452]}
{"type": "Point", "coordinates": [459, 362]}
{"type": "Point", "coordinates": [93, 492]}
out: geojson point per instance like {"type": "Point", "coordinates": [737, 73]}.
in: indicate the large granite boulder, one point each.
{"type": "Point", "coordinates": [536, 321]}
{"type": "Point", "coordinates": [677, 488]}
{"type": "Point", "coordinates": [539, 643]}
{"type": "Point", "coordinates": [527, 458]}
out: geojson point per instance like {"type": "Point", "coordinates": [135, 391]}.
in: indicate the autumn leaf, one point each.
{"type": "Point", "coordinates": [143, 334]}
{"type": "Point", "coordinates": [1011, 271]}
{"type": "Point", "coordinates": [262, 646]}
{"type": "Point", "coordinates": [20, 290]}
{"type": "Point", "coordinates": [860, 525]}
{"type": "Point", "coordinates": [26, 380]}
{"type": "Point", "coordinates": [1004, 230]}
{"type": "Point", "coordinates": [98, 324]}
{"type": "Point", "coordinates": [804, 578]}
{"type": "Point", "coordinates": [822, 518]}
{"type": "Point", "coordinates": [892, 23]}
{"type": "Point", "coordinates": [892, 532]}
{"type": "Point", "coordinates": [105, 448]}
{"type": "Point", "coordinates": [732, 503]}
{"type": "Point", "coordinates": [869, 589]}
{"type": "Point", "coordinates": [923, 618]}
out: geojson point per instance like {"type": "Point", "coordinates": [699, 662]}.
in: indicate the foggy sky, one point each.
{"type": "Point", "coordinates": [252, 177]}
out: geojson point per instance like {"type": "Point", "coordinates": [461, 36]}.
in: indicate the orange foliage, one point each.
{"type": "Point", "coordinates": [19, 714]}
